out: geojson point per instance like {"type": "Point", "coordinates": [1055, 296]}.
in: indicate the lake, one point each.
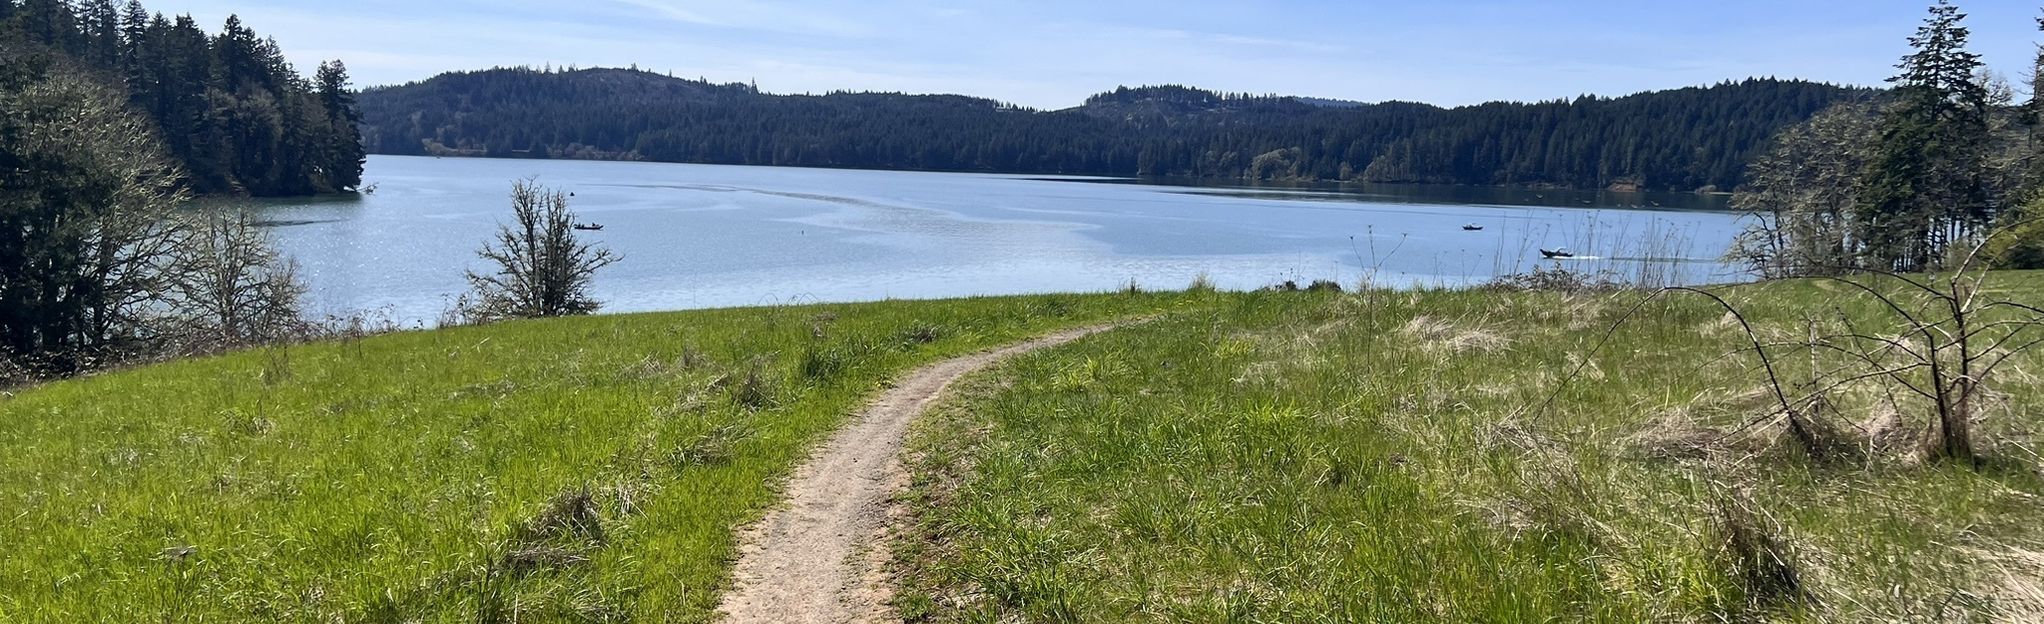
{"type": "Point", "coordinates": [695, 236]}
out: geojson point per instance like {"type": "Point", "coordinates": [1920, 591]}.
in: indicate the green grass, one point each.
{"type": "Point", "coordinates": [589, 469]}
{"type": "Point", "coordinates": [1384, 457]}
{"type": "Point", "coordinates": [1249, 457]}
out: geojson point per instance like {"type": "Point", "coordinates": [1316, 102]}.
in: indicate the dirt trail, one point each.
{"type": "Point", "coordinates": [820, 557]}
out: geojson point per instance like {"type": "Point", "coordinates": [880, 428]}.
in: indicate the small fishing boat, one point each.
{"type": "Point", "coordinates": [589, 227]}
{"type": "Point", "coordinates": [1472, 228]}
{"type": "Point", "coordinates": [1557, 254]}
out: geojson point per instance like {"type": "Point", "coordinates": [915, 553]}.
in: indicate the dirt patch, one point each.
{"type": "Point", "coordinates": [821, 557]}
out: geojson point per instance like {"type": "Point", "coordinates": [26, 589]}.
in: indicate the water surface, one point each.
{"type": "Point", "coordinates": [697, 236]}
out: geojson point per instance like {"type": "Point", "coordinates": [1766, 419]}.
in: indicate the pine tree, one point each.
{"type": "Point", "coordinates": [237, 57]}
{"type": "Point", "coordinates": [1924, 185]}
{"type": "Point", "coordinates": [230, 107]}
{"type": "Point", "coordinates": [52, 23]}
{"type": "Point", "coordinates": [343, 153]}
{"type": "Point", "coordinates": [138, 62]}
{"type": "Point", "coordinates": [101, 26]}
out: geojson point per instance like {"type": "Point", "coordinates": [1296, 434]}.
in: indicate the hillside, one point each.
{"type": "Point", "coordinates": [1474, 455]}
{"type": "Point", "coordinates": [586, 469]}
{"type": "Point", "coordinates": [1681, 139]}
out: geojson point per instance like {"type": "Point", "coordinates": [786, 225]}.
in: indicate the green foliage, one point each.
{"type": "Point", "coordinates": [229, 107]}
{"type": "Point", "coordinates": [1681, 139]}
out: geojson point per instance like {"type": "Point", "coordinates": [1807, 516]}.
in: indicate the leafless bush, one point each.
{"type": "Point", "coordinates": [540, 267]}
{"type": "Point", "coordinates": [233, 288]}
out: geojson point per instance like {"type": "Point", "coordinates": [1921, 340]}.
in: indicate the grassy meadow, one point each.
{"type": "Point", "coordinates": [1469, 455]}
{"type": "Point", "coordinates": [1465, 456]}
{"type": "Point", "coordinates": [588, 469]}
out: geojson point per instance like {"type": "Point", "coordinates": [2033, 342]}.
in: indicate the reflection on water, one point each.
{"type": "Point", "coordinates": [703, 236]}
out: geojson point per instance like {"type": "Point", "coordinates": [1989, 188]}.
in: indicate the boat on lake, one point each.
{"type": "Point", "coordinates": [1557, 254]}
{"type": "Point", "coordinates": [1472, 228]}
{"type": "Point", "coordinates": [589, 227]}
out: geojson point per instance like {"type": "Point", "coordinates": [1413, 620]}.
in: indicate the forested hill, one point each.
{"type": "Point", "coordinates": [236, 116]}
{"type": "Point", "coordinates": [1681, 139]}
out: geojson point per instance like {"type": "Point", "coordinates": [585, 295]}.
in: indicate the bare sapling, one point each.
{"type": "Point", "coordinates": [540, 268]}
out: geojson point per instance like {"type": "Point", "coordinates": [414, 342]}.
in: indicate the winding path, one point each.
{"type": "Point", "coordinates": [820, 557]}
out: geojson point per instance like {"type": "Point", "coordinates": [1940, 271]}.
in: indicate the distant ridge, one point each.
{"type": "Point", "coordinates": [1685, 139]}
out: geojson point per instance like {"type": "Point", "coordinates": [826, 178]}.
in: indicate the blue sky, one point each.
{"type": "Point", "coordinates": [1053, 53]}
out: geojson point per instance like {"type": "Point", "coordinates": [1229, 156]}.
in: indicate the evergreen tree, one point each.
{"type": "Point", "coordinates": [1925, 186]}
{"type": "Point", "coordinates": [343, 156]}
{"type": "Point", "coordinates": [2033, 113]}
{"type": "Point", "coordinates": [101, 27]}
{"type": "Point", "coordinates": [52, 23]}
{"type": "Point", "coordinates": [137, 63]}
{"type": "Point", "coordinates": [237, 57]}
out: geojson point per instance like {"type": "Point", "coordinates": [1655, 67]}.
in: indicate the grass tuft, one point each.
{"type": "Point", "coordinates": [1749, 550]}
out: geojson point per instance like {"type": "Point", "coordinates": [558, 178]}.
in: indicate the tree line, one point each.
{"type": "Point", "coordinates": [1942, 172]}
{"type": "Point", "coordinates": [1687, 139]}
{"type": "Point", "coordinates": [227, 106]}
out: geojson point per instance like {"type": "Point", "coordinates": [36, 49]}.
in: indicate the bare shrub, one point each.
{"type": "Point", "coordinates": [233, 287]}
{"type": "Point", "coordinates": [540, 267]}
